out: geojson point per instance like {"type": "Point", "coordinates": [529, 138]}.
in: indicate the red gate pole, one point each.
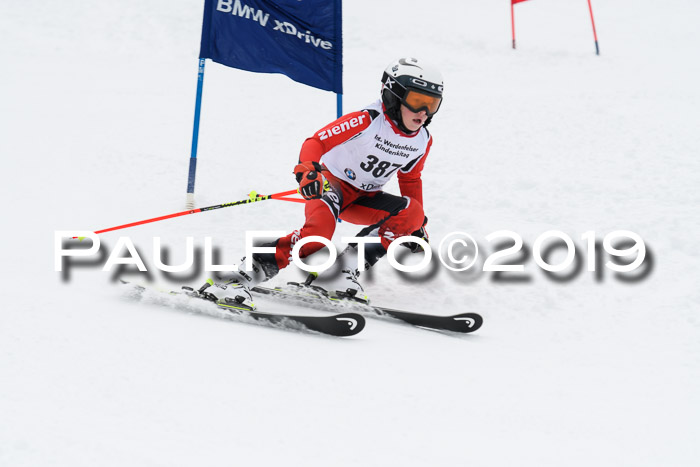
{"type": "Point", "coordinates": [512, 21]}
{"type": "Point", "coordinates": [595, 35]}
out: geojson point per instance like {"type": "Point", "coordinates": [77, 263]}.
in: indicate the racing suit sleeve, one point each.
{"type": "Point", "coordinates": [334, 134]}
{"type": "Point", "coordinates": [410, 182]}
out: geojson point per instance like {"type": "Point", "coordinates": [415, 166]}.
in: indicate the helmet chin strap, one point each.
{"type": "Point", "coordinates": [402, 127]}
{"type": "Point", "coordinates": [399, 121]}
{"type": "Point", "coordinates": [394, 114]}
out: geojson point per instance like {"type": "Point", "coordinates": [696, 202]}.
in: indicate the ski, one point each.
{"type": "Point", "coordinates": [322, 299]}
{"type": "Point", "coordinates": [344, 324]}
{"type": "Point", "coordinates": [339, 324]}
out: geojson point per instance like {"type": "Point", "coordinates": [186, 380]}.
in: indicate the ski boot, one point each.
{"type": "Point", "coordinates": [233, 289]}
{"type": "Point", "coordinates": [347, 285]}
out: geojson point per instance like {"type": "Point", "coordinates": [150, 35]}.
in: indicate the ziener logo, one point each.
{"type": "Point", "coordinates": [338, 129]}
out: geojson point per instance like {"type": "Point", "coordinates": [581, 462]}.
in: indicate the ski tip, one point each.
{"type": "Point", "coordinates": [355, 323]}
{"type": "Point", "coordinates": [468, 322]}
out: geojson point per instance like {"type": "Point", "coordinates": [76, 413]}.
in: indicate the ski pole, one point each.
{"type": "Point", "coordinates": [253, 197]}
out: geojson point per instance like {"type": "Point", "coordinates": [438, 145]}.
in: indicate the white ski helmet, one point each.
{"type": "Point", "coordinates": [413, 83]}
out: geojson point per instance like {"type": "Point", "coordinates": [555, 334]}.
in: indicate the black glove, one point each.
{"type": "Point", "coordinates": [310, 179]}
{"type": "Point", "coordinates": [420, 233]}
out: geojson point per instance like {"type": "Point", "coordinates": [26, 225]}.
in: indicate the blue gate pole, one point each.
{"type": "Point", "coordinates": [339, 107]}
{"type": "Point", "coordinates": [195, 137]}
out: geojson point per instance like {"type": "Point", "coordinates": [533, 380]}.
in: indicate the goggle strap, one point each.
{"type": "Point", "coordinates": [396, 88]}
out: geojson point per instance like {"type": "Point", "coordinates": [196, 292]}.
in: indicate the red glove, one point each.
{"type": "Point", "coordinates": [310, 179]}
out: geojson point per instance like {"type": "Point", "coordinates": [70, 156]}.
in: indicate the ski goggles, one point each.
{"type": "Point", "coordinates": [417, 101]}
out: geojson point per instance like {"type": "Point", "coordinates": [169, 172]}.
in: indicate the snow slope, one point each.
{"type": "Point", "coordinates": [95, 130]}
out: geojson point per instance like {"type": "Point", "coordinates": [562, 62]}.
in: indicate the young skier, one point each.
{"type": "Point", "coordinates": [341, 172]}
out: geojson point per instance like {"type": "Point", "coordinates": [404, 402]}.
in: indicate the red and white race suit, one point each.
{"type": "Point", "coordinates": [362, 151]}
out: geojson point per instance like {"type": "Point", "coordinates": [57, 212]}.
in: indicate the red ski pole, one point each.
{"type": "Point", "coordinates": [253, 197]}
